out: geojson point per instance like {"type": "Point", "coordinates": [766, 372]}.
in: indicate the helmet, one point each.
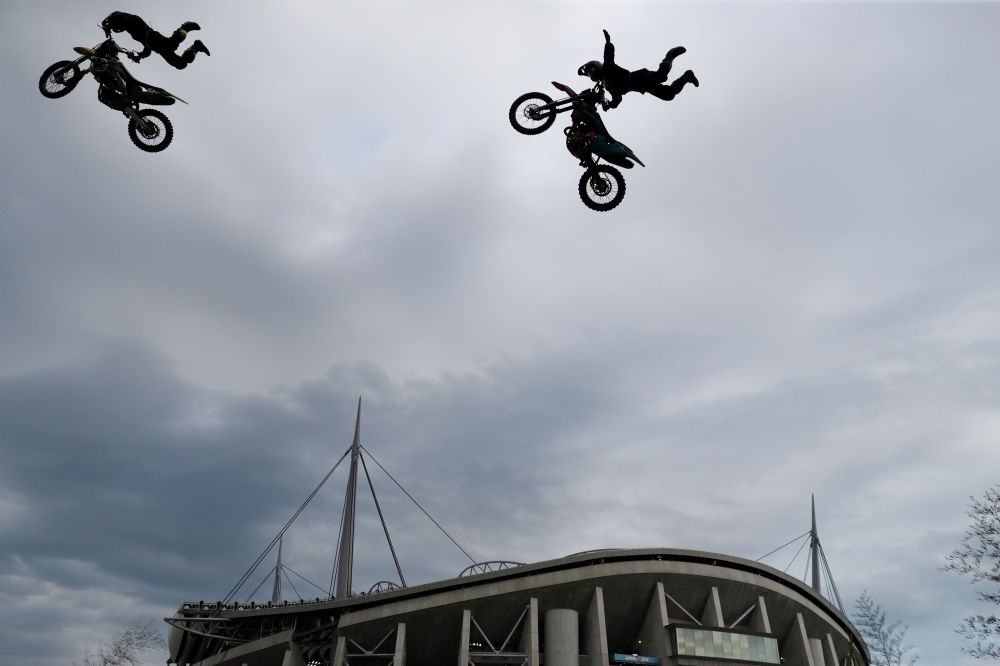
{"type": "Point", "coordinates": [594, 69]}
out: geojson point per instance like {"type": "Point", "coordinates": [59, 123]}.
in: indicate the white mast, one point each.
{"type": "Point", "coordinates": [814, 546]}
{"type": "Point", "coordinates": [345, 560]}
{"type": "Point", "coordinates": [276, 593]}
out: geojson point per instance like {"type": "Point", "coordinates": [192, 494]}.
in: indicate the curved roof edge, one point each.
{"type": "Point", "coordinates": [567, 562]}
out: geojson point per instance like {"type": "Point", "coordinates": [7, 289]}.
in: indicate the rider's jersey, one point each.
{"type": "Point", "coordinates": [130, 23]}
{"type": "Point", "coordinates": [616, 77]}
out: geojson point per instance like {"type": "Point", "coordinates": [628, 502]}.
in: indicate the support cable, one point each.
{"type": "Point", "coordinates": [796, 554]}
{"type": "Point", "coordinates": [340, 535]}
{"type": "Point", "coordinates": [267, 550]}
{"type": "Point", "coordinates": [303, 578]}
{"type": "Point", "coordinates": [384, 528]}
{"type": "Point", "coordinates": [826, 582]}
{"type": "Point", "coordinates": [779, 548]}
{"type": "Point", "coordinates": [833, 584]}
{"type": "Point", "coordinates": [416, 502]}
{"type": "Point", "coordinates": [289, 579]}
{"type": "Point", "coordinates": [258, 587]}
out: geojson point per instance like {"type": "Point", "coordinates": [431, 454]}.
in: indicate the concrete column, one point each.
{"type": "Point", "coordinates": [595, 631]}
{"type": "Point", "coordinates": [654, 639]}
{"type": "Point", "coordinates": [399, 655]}
{"type": "Point", "coordinates": [562, 637]}
{"type": "Point", "coordinates": [174, 637]}
{"type": "Point", "coordinates": [758, 620]}
{"type": "Point", "coordinates": [797, 651]}
{"type": "Point", "coordinates": [339, 651]}
{"type": "Point", "coordinates": [293, 656]}
{"type": "Point", "coordinates": [712, 617]}
{"type": "Point", "coordinates": [816, 647]}
{"type": "Point", "coordinates": [529, 634]}
{"type": "Point", "coordinates": [829, 651]}
{"type": "Point", "coordinates": [463, 646]}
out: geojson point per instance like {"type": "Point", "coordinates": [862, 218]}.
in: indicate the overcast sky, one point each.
{"type": "Point", "coordinates": [800, 294]}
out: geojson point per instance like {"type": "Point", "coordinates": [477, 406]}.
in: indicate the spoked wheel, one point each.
{"type": "Point", "coordinates": [54, 85]}
{"type": "Point", "coordinates": [525, 117]}
{"type": "Point", "coordinates": [602, 187]}
{"type": "Point", "coordinates": [157, 137]}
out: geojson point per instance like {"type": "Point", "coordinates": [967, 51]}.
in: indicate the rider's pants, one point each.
{"type": "Point", "coordinates": [166, 46]}
{"type": "Point", "coordinates": [645, 81]}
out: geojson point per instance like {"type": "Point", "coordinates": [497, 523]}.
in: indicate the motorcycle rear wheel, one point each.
{"type": "Point", "coordinates": [602, 187]}
{"type": "Point", "coordinates": [522, 113]}
{"type": "Point", "coordinates": [52, 86]}
{"type": "Point", "coordinates": [159, 136]}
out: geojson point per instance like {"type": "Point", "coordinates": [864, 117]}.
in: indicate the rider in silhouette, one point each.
{"type": "Point", "coordinates": [152, 41]}
{"type": "Point", "coordinates": [620, 81]}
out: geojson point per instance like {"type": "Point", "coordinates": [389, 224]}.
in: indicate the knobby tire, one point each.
{"type": "Point", "coordinates": [602, 187]}
{"type": "Point", "coordinates": [52, 89]}
{"type": "Point", "coordinates": [519, 110]}
{"type": "Point", "coordinates": [158, 140]}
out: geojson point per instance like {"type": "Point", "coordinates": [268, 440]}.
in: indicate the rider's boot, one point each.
{"type": "Point", "coordinates": [689, 77]}
{"type": "Point", "coordinates": [194, 49]}
{"type": "Point", "coordinates": [674, 52]}
{"type": "Point", "coordinates": [668, 62]}
{"type": "Point", "coordinates": [188, 26]}
{"type": "Point", "coordinates": [685, 78]}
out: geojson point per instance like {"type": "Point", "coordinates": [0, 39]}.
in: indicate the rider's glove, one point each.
{"type": "Point", "coordinates": [133, 57]}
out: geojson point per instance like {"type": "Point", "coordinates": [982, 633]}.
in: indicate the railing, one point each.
{"type": "Point", "coordinates": [484, 567]}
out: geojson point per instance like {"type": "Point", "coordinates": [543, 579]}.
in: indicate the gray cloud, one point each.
{"type": "Point", "coordinates": [799, 295]}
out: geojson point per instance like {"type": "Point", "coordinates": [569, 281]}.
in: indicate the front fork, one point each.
{"type": "Point", "coordinates": [130, 112]}
{"type": "Point", "coordinates": [69, 67]}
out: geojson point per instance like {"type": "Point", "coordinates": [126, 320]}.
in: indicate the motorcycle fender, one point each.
{"type": "Point", "coordinates": [173, 95]}
{"type": "Point", "coordinates": [617, 160]}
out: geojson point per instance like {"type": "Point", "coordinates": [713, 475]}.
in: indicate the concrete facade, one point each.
{"type": "Point", "coordinates": [623, 601]}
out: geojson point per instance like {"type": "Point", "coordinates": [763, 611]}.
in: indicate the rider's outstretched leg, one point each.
{"type": "Point", "coordinates": [668, 61]}
{"type": "Point", "coordinates": [682, 80]}
{"type": "Point", "coordinates": [667, 93]}
{"type": "Point", "coordinates": [193, 50]}
{"type": "Point", "coordinates": [180, 62]}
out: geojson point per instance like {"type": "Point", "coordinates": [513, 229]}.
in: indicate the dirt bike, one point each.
{"type": "Point", "coordinates": [149, 129]}
{"type": "Point", "coordinates": [602, 186]}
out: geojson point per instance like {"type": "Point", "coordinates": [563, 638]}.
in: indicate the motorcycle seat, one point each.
{"type": "Point", "coordinates": [566, 89]}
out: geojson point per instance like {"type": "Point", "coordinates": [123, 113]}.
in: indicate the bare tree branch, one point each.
{"type": "Point", "coordinates": [125, 647]}
{"type": "Point", "coordinates": [884, 642]}
{"type": "Point", "coordinates": [979, 556]}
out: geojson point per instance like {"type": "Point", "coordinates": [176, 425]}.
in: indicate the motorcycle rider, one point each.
{"type": "Point", "coordinates": [619, 81]}
{"type": "Point", "coordinates": [153, 41]}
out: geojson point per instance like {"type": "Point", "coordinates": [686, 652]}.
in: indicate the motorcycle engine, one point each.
{"type": "Point", "coordinates": [578, 137]}
{"type": "Point", "coordinates": [111, 97]}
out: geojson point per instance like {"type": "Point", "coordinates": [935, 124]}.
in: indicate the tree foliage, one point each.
{"type": "Point", "coordinates": [126, 646]}
{"type": "Point", "coordinates": [979, 556]}
{"type": "Point", "coordinates": [885, 642]}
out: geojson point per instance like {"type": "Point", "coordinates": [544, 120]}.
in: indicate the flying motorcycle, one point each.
{"type": "Point", "coordinates": [602, 186]}
{"type": "Point", "coordinates": [149, 129]}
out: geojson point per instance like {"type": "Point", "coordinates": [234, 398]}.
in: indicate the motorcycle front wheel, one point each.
{"type": "Point", "coordinates": [159, 135]}
{"type": "Point", "coordinates": [524, 115]}
{"type": "Point", "coordinates": [602, 187]}
{"type": "Point", "coordinates": [54, 86]}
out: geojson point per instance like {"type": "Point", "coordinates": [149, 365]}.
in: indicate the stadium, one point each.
{"type": "Point", "coordinates": [653, 606]}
